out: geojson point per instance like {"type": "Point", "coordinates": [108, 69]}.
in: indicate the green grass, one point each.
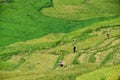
{"type": "Point", "coordinates": [6, 65]}
{"type": "Point", "coordinates": [32, 43]}
{"type": "Point", "coordinates": [27, 23]}
{"type": "Point", "coordinates": [75, 61]}
{"type": "Point", "coordinates": [29, 67]}
{"type": "Point", "coordinates": [81, 9]}
{"type": "Point", "coordinates": [60, 58]}
{"type": "Point", "coordinates": [110, 55]}
{"type": "Point", "coordinates": [111, 73]}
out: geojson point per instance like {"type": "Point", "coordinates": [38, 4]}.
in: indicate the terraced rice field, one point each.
{"type": "Point", "coordinates": [42, 33]}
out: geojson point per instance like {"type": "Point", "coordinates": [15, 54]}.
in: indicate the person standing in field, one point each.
{"type": "Point", "coordinates": [108, 34]}
{"type": "Point", "coordinates": [75, 49]}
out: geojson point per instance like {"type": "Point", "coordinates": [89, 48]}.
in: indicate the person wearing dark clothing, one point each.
{"type": "Point", "coordinates": [74, 49]}
{"type": "Point", "coordinates": [108, 35]}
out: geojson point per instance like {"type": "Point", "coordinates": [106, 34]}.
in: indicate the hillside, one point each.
{"type": "Point", "coordinates": [35, 36]}
{"type": "Point", "coordinates": [39, 58]}
{"type": "Point", "coordinates": [83, 9]}
{"type": "Point", "coordinates": [22, 20]}
{"type": "Point", "coordinates": [103, 74]}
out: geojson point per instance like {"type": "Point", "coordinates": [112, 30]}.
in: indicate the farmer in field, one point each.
{"type": "Point", "coordinates": [61, 63]}
{"type": "Point", "coordinates": [75, 49]}
{"type": "Point", "coordinates": [108, 35]}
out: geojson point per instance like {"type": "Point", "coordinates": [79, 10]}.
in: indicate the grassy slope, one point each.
{"type": "Point", "coordinates": [83, 9]}
{"type": "Point", "coordinates": [41, 63]}
{"type": "Point", "coordinates": [111, 73]}
{"type": "Point", "coordinates": [22, 20]}
{"type": "Point", "coordinates": [26, 23]}
{"type": "Point", "coordinates": [37, 59]}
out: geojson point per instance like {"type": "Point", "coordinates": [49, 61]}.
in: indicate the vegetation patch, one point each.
{"type": "Point", "coordinates": [60, 58]}
{"type": "Point", "coordinates": [102, 74]}
{"type": "Point", "coordinates": [75, 61]}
